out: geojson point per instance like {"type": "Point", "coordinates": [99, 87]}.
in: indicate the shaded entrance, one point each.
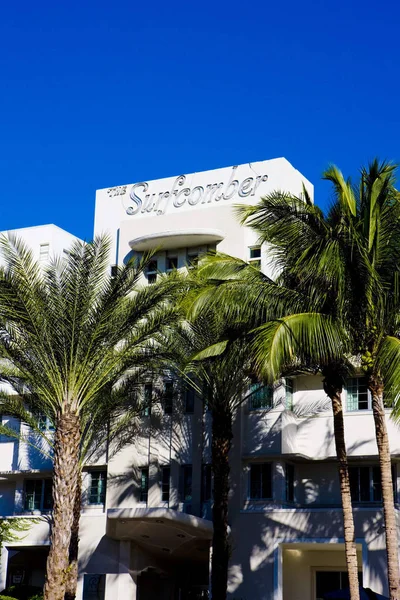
{"type": "Point", "coordinates": [27, 566]}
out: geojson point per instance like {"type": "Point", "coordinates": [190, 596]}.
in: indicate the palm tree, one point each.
{"type": "Point", "coordinates": [219, 373]}
{"type": "Point", "coordinates": [350, 258]}
{"type": "Point", "coordinates": [285, 340]}
{"type": "Point", "coordinates": [70, 332]}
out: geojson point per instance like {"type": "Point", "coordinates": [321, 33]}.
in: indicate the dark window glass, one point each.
{"type": "Point", "coordinates": [44, 423]}
{"type": "Point", "coordinates": [48, 494]}
{"type": "Point", "coordinates": [360, 484]}
{"type": "Point", "coordinates": [186, 483]}
{"type": "Point", "coordinates": [255, 252]}
{"type": "Point", "coordinates": [114, 270]}
{"type": "Point", "coordinates": [144, 484]}
{"type": "Point", "coordinates": [151, 271]}
{"type": "Point", "coordinates": [260, 481]}
{"type": "Point", "coordinates": [165, 484]}
{"type": "Point", "coordinates": [206, 479]}
{"type": "Point", "coordinates": [189, 399]}
{"type": "Point", "coordinates": [289, 482]}
{"type": "Point", "coordinates": [260, 397]}
{"type": "Point", "coordinates": [148, 394]}
{"type": "Point", "coordinates": [192, 259]}
{"type": "Point", "coordinates": [172, 263]}
{"type": "Point", "coordinates": [168, 397]}
{"type": "Point", "coordinates": [97, 492]}
{"type": "Point", "coordinates": [330, 581]}
{"type": "Point", "coordinates": [38, 494]}
{"type": "Point", "coordinates": [33, 494]}
{"type": "Point", "coordinates": [376, 484]}
{"type": "Point", "coordinates": [289, 393]}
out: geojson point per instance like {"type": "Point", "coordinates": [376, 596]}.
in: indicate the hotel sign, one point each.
{"type": "Point", "coordinates": [141, 200]}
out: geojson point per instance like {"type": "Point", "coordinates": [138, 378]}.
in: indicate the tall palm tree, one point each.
{"type": "Point", "coordinates": [215, 337]}
{"type": "Point", "coordinates": [284, 340]}
{"type": "Point", "coordinates": [219, 373]}
{"type": "Point", "coordinates": [351, 257]}
{"type": "Point", "coordinates": [70, 332]}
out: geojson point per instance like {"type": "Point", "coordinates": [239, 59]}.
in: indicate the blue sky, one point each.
{"type": "Point", "coordinates": [96, 94]}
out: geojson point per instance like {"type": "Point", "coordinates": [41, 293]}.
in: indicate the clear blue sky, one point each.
{"type": "Point", "coordinates": [95, 94]}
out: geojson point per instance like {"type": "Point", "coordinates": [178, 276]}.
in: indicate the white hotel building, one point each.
{"type": "Point", "coordinates": [146, 510]}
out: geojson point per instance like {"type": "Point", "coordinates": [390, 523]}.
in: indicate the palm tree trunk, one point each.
{"type": "Point", "coordinates": [72, 573]}
{"type": "Point", "coordinates": [375, 385]}
{"type": "Point", "coordinates": [65, 479]}
{"type": "Point", "coordinates": [333, 389]}
{"type": "Point", "coordinates": [221, 445]}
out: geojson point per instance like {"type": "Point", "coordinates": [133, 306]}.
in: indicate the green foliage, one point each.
{"type": "Point", "coordinates": [10, 598]}
{"type": "Point", "coordinates": [10, 529]}
{"type": "Point", "coordinates": [24, 592]}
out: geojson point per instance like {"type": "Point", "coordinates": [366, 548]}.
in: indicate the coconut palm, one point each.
{"type": "Point", "coordinates": [215, 336]}
{"type": "Point", "coordinates": [288, 336]}
{"type": "Point", "coordinates": [70, 332]}
{"type": "Point", "coordinates": [350, 258]}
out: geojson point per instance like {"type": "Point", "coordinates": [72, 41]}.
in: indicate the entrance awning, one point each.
{"type": "Point", "coordinates": [162, 531]}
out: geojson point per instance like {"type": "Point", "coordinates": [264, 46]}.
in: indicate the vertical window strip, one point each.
{"type": "Point", "coordinates": [165, 484]}
{"type": "Point", "coordinates": [144, 484]}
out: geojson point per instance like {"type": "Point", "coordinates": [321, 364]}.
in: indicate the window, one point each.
{"type": "Point", "coordinates": [260, 397]}
{"type": "Point", "coordinates": [165, 483]}
{"type": "Point", "coordinates": [38, 494]}
{"type": "Point", "coordinates": [189, 399]}
{"type": "Point", "coordinates": [289, 393]}
{"type": "Point", "coordinates": [168, 397]}
{"type": "Point", "coordinates": [192, 258]}
{"type": "Point", "coordinates": [289, 483]}
{"type": "Point", "coordinates": [144, 484]}
{"type": "Point", "coordinates": [114, 270]}
{"type": "Point", "coordinates": [94, 586]}
{"type": "Point", "coordinates": [151, 271]}
{"type": "Point", "coordinates": [358, 397]}
{"type": "Point", "coordinates": [186, 491]}
{"type": "Point", "coordinates": [44, 252]}
{"type": "Point", "coordinates": [255, 252]}
{"type": "Point", "coordinates": [97, 490]}
{"type": "Point", "coordinates": [260, 487]}
{"type": "Point", "coordinates": [255, 256]}
{"type": "Point", "coordinates": [206, 483]}
{"type": "Point", "coordinates": [44, 423]}
{"type": "Point", "coordinates": [148, 394]}
{"type": "Point", "coordinates": [171, 263]}
{"type": "Point", "coordinates": [330, 581]}
{"type": "Point", "coordinates": [365, 484]}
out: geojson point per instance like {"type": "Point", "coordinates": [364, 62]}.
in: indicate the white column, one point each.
{"type": "Point", "coordinates": [210, 569]}
{"type": "Point", "coordinates": [3, 567]}
{"type": "Point", "coordinates": [127, 586]}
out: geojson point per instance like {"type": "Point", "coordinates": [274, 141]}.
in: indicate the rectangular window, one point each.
{"type": "Point", "coordinates": [97, 490]}
{"type": "Point", "coordinates": [358, 397]}
{"type": "Point", "coordinates": [168, 397]}
{"type": "Point", "coordinates": [192, 258]}
{"type": "Point", "coordinates": [151, 271]}
{"type": "Point", "coordinates": [255, 252]}
{"type": "Point", "coordinates": [365, 484]}
{"type": "Point", "coordinates": [165, 483]}
{"type": "Point", "coordinates": [44, 423]}
{"type": "Point", "coordinates": [94, 586]}
{"type": "Point", "coordinates": [186, 483]}
{"type": "Point", "coordinates": [144, 484]}
{"type": "Point", "coordinates": [38, 494]}
{"type": "Point", "coordinates": [260, 487]}
{"type": "Point", "coordinates": [171, 263]}
{"type": "Point", "coordinates": [44, 252]}
{"type": "Point", "coordinates": [114, 270]}
{"type": "Point", "coordinates": [189, 399]}
{"type": "Point", "coordinates": [289, 393]}
{"type": "Point", "coordinates": [147, 397]}
{"type": "Point", "coordinates": [330, 581]}
{"type": "Point", "coordinates": [260, 397]}
{"type": "Point", "coordinates": [289, 482]}
{"type": "Point", "coordinates": [206, 483]}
